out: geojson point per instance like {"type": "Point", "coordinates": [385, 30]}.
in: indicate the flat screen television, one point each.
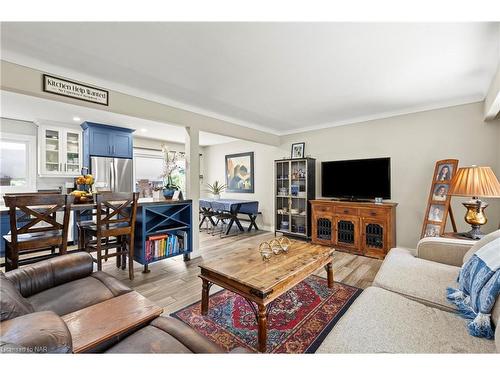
{"type": "Point", "coordinates": [356, 179]}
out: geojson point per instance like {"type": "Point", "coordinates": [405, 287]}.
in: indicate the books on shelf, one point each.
{"type": "Point", "coordinates": [165, 245]}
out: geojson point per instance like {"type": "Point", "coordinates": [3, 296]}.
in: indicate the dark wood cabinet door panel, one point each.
{"type": "Point", "coordinates": [358, 227]}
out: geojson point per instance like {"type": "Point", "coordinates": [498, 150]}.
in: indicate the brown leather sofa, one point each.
{"type": "Point", "coordinates": [33, 298]}
{"type": "Point", "coordinates": [165, 335]}
{"type": "Point", "coordinates": [62, 284]}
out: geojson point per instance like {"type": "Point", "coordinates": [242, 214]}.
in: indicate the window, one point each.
{"type": "Point", "coordinates": [17, 163]}
{"type": "Point", "coordinates": [179, 175]}
{"type": "Point", "coordinates": [148, 167]}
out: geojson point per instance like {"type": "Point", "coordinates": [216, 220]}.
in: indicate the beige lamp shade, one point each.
{"type": "Point", "coordinates": [475, 182]}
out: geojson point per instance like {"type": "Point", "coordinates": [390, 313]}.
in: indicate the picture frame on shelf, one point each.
{"type": "Point", "coordinates": [298, 150]}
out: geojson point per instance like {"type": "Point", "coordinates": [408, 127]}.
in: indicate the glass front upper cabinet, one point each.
{"type": "Point", "coordinates": [52, 151]}
{"type": "Point", "coordinates": [73, 155]}
{"type": "Point", "coordinates": [60, 151]}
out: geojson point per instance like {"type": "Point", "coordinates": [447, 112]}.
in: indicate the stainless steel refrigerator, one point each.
{"type": "Point", "coordinates": [113, 174]}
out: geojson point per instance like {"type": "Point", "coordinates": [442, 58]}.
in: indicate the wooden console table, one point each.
{"type": "Point", "coordinates": [98, 323]}
{"type": "Point", "coordinates": [362, 228]}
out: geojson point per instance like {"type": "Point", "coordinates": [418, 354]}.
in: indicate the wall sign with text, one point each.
{"type": "Point", "coordinates": [74, 90]}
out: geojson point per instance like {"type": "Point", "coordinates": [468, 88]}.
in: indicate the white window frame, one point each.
{"type": "Point", "coordinates": [145, 153]}
{"type": "Point", "coordinates": [151, 154]}
{"type": "Point", "coordinates": [30, 141]}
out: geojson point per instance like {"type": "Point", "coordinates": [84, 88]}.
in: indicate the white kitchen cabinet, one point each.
{"type": "Point", "coordinates": [59, 151]}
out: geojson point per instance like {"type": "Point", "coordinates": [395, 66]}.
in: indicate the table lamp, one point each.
{"type": "Point", "coordinates": [476, 182]}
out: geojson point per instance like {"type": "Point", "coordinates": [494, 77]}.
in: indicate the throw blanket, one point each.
{"type": "Point", "coordinates": [478, 288]}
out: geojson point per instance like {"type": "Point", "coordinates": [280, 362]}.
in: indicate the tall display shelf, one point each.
{"type": "Point", "coordinates": [295, 187]}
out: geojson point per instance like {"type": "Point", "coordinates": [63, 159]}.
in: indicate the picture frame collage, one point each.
{"type": "Point", "coordinates": [438, 206]}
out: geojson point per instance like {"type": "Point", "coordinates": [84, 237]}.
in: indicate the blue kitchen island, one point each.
{"type": "Point", "coordinates": [163, 229]}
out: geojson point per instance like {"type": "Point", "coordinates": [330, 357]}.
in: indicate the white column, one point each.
{"type": "Point", "coordinates": [192, 149]}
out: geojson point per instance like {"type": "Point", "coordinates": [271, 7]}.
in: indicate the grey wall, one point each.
{"type": "Point", "coordinates": [17, 126]}
{"type": "Point", "coordinates": [414, 142]}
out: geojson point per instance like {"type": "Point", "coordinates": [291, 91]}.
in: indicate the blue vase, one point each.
{"type": "Point", "coordinates": [168, 193]}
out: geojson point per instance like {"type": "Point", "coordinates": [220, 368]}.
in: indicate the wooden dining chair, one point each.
{"type": "Point", "coordinates": [114, 229]}
{"type": "Point", "coordinates": [83, 219]}
{"type": "Point", "coordinates": [34, 227]}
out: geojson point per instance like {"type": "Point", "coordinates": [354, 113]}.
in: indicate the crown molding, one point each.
{"type": "Point", "coordinates": [383, 115]}
{"type": "Point", "coordinates": [32, 63]}
{"type": "Point", "coordinates": [72, 74]}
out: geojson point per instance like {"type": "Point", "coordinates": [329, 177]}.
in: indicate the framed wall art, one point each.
{"type": "Point", "coordinates": [298, 150]}
{"type": "Point", "coordinates": [240, 173]}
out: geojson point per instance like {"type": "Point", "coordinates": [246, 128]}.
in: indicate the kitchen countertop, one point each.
{"type": "Point", "coordinates": [140, 203]}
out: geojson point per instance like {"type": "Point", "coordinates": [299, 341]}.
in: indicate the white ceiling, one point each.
{"type": "Point", "coordinates": [29, 108]}
{"type": "Point", "coordinates": [283, 77]}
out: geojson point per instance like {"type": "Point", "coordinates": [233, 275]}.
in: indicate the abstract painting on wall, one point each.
{"type": "Point", "coordinates": [240, 173]}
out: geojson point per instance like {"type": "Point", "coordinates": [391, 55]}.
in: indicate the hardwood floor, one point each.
{"type": "Point", "coordinates": [173, 283]}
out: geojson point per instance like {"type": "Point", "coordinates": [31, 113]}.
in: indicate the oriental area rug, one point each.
{"type": "Point", "coordinates": [298, 321]}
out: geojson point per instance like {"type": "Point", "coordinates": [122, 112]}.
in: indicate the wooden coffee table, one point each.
{"type": "Point", "coordinates": [95, 324]}
{"type": "Point", "coordinates": [246, 274]}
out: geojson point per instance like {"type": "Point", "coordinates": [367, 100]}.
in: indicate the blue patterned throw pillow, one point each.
{"type": "Point", "coordinates": [478, 288]}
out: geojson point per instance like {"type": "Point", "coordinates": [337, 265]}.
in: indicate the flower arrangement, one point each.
{"type": "Point", "coordinates": [170, 164]}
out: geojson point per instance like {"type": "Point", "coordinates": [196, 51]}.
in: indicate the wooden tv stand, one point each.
{"type": "Point", "coordinates": [363, 228]}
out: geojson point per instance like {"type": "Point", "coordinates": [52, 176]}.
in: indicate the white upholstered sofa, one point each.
{"type": "Point", "coordinates": [406, 311]}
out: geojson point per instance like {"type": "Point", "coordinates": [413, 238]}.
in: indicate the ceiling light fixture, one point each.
{"type": "Point", "coordinates": [144, 130]}
{"type": "Point", "coordinates": [76, 118]}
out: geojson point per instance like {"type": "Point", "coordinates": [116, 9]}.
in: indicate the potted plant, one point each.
{"type": "Point", "coordinates": [216, 188]}
{"type": "Point", "coordinates": [170, 159]}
